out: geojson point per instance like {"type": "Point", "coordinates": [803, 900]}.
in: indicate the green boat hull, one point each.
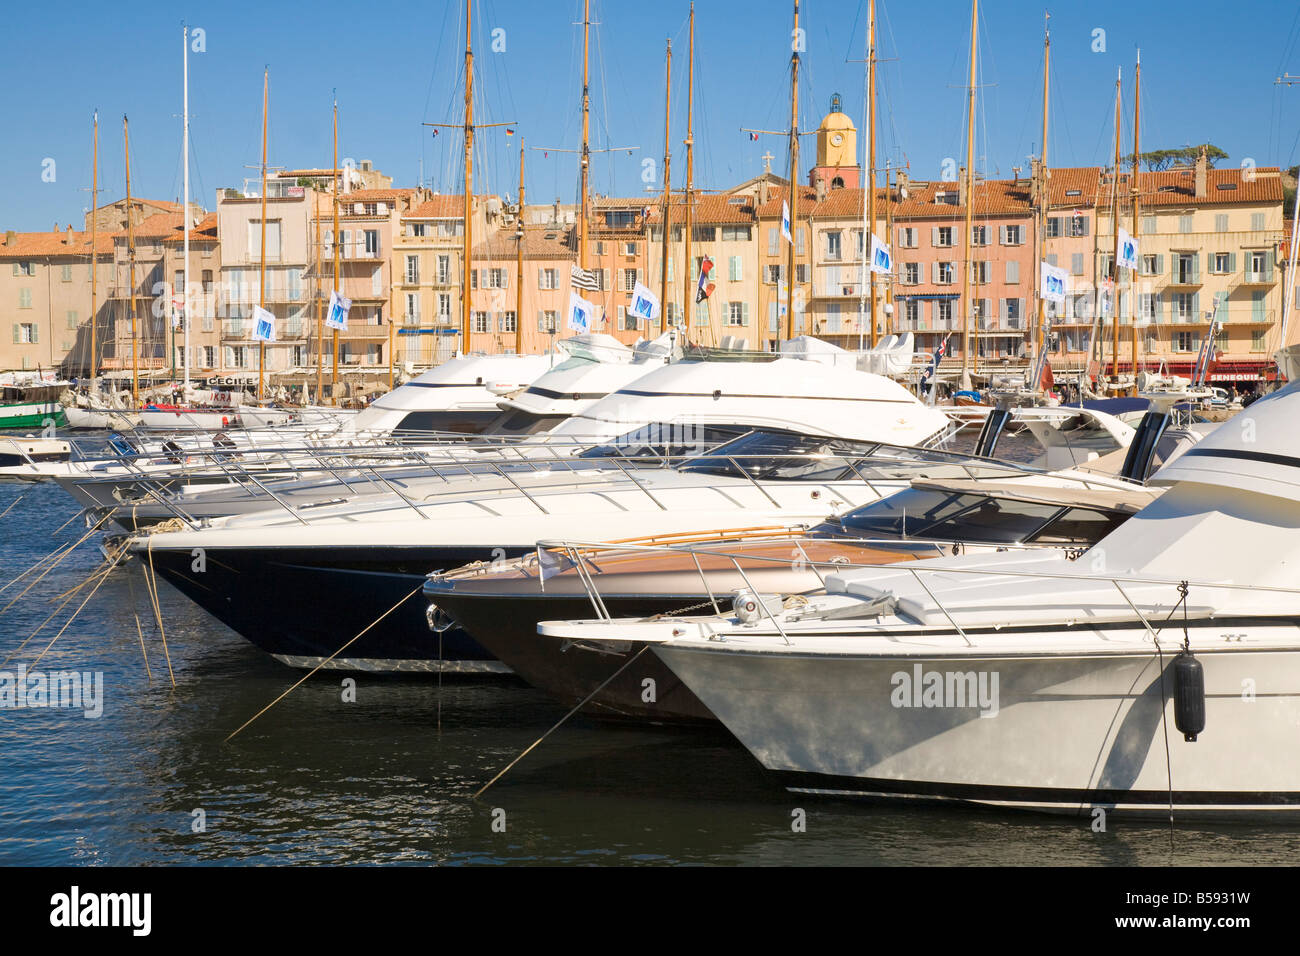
{"type": "Point", "coordinates": [32, 415]}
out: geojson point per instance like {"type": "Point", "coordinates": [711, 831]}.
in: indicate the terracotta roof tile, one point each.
{"type": "Point", "coordinates": [51, 244]}
{"type": "Point", "coordinates": [1177, 187]}
{"type": "Point", "coordinates": [540, 242]}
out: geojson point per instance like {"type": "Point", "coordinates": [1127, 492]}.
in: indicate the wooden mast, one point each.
{"type": "Point", "coordinates": [466, 266]}
{"type": "Point", "coordinates": [794, 174]}
{"type": "Point", "coordinates": [668, 191]}
{"type": "Point", "coordinates": [185, 204]}
{"type": "Point", "coordinates": [320, 327]}
{"type": "Point", "coordinates": [261, 282]}
{"type": "Point", "coordinates": [688, 296]}
{"type": "Point", "coordinates": [1037, 335]}
{"type": "Point", "coordinates": [130, 278]}
{"type": "Point", "coordinates": [94, 245]}
{"type": "Point", "coordinates": [334, 379]}
{"type": "Point", "coordinates": [871, 158]}
{"type": "Point", "coordinates": [585, 160]}
{"type": "Point", "coordinates": [1114, 228]}
{"type": "Point", "coordinates": [970, 202]}
{"type": "Point", "coordinates": [519, 261]}
{"type": "Point", "coordinates": [1137, 112]}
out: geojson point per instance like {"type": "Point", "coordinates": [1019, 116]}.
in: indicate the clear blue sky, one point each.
{"type": "Point", "coordinates": [1208, 74]}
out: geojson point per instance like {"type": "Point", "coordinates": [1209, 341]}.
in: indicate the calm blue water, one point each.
{"type": "Point", "coordinates": [390, 778]}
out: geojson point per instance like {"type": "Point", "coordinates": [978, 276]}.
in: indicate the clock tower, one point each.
{"type": "Point", "coordinates": [837, 151]}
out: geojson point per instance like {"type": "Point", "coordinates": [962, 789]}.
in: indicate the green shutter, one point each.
{"type": "Point", "coordinates": [744, 314]}
{"type": "Point", "coordinates": [1268, 265]}
{"type": "Point", "coordinates": [16, 339]}
{"type": "Point", "coordinates": [1232, 262]}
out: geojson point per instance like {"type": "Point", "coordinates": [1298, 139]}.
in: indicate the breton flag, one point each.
{"type": "Point", "coordinates": [881, 261]}
{"type": "Point", "coordinates": [336, 316]}
{"type": "Point", "coordinates": [645, 304]}
{"type": "Point", "coordinates": [705, 287]}
{"type": "Point", "coordinates": [584, 279]}
{"type": "Point", "coordinates": [263, 325]}
{"type": "Point", "coordinates": [582, 314]}
{"type": "Point", "coordinates": [1055, 282]}
{"type": "Point", "coordinates": [785, 221]}
{"type": "Point", "coordinates": [1128, 250]}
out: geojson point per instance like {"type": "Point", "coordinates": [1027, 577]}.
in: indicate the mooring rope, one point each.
{"type": "Point", "coordinates": [582, 703]}
{"type": "Point", "coordinates": [66, 551]}
{"type": "Point", "coordinates": [306, 676]}
{"type": "Point", "coordinates": [151, 584]}
{"type": "Point", "coordinates": [14, 504]}
{"type": "Point", "coordinates": [68, 623]}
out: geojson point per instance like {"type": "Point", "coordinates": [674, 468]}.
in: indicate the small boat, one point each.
{"type": "Point", "coordinates": [31, 405]}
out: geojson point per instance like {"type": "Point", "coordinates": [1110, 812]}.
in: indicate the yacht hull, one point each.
{"type": "Point", "coordinates": [302, 605]}
{"type": "Point", "coordinates": [1064, 733]}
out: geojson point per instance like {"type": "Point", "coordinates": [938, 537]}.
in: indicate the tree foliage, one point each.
{"type": "Point", "coordinates": [1157, 160]}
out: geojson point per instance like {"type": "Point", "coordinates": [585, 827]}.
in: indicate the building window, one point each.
{"type": "Point", "coordinates": [944, 273]}
{"type": "Point", "coordinates": [444, 307]}
{"type": "Point", "coordinates": [1054, 227]}
{"type": "Point", "coordinates": [1256, 222]}
{"type": "Point", "coordinates": [416, 230]}
{"type": "Point", "coordinates": [1147, 306]}
{"type": "Point", "coordinates": [1221, 222]}
{"type": "Point", "coordinates": [907, 238]}
{"type": "Point", "coordinates": [66, 273]}
{"type": "Point", "coordinates": [1257, 338]}
{"type": "Point", "coordinates": [801, 272]}
{"type": "Point", "coordinates": [911, 273]}
{"type": "Point", "coordinates": [1013, 235]}
{"type": "Point", "coordinates": [412, 307]}
{"type": "Point", "coordinates": [1184, 223]}
{"type": "Point", "coordinates": [547, 320]}
{"type": "Point", "coordinates": [413, 269]}
{"type": "Point", "coordinates": [209, 353]}
{"type": "Point", "coordinates": [1257, 266]}
{"type": "Point", "coordinates": [481, 322]}
{"type": "Point", "coordinates": [372, 243]}
{"type": "Point", "coordinates": [24, 269]}
{"type": "Point", "coordinates": [629, 279]}
{"type": "Point", "coordinates": [1221, 262]}
{"type": "Point", "coordinates": [506, 322]}
{"type": "Point", "coordinates": [736, 313]}
{"type": "Point", "coordinates": [238, 357]}
{"type": "Point", "coordinates": [629, 248]}
{"type": "Point", "coordinates": [775, 274]}
{"type": "Point", "coordinates": [494, 279]}
{"type": "Point", "coordinates": [1183, 341]}
{"type": "Point", "coordinates": [912, 312]}
{"type": "Point", "coordinates": [1183, 307]}
{"type": "Point", "coordinates": [943, 236]}
{"type": "Point", "coordinates": [735, 234]}
{"type": "Point", "coordinates": [444, 270]}
{"type": "Point", "coordinates": [1149, 266]}
{"type": "Point", "coordinates": [833, 244]}
{"type": "Point", "coordinates": [1148, 224]}
{"type": "Point", "coordinates": [1011, 310]}
{"type": "Point", "coordinates": [943, 311]}
{"type": "Point", "coordinates": [24, 298]}
{"type": "Point", "coordinates": [982, 271]}
{"type": "Point", "coordinates": [550, 278]}
{"type": "Point", "coordinates": [25, 333]}
{"type": "Point", "coordinates": [979, 236]}
{"type": "Point", "coordinates": [71, 316]}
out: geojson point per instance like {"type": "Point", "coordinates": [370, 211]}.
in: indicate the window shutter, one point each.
{"type": "Point", "coordinates": [1160, 264]}
{"type": "Point", "coordinates": [1084, 225]}
{"type": "Point", "coordinates": [670, 269]}
{"type": "Point", "coordinates": [1002, 235]}
{"type": "Point", "coordinates": [1232, 262]}
{"type": "Point", "coordinates": [622, 315]}
{"type": "Point", "coordinates": [934, 273]}
{"type": "Point", "coordinates": [1051, 259]}
{"type": "Point", "coordinates": [771, 317]}
{"type": "Point", "coordinates": [771, 240]}
{"type": "Point", "coordinates": [1013, 270]}
{"type": "Point", "coordinates": [934, 235]}
{"type": "Point", "coordinates": [1268, 266]}
{"type": "Point", "coordinates": [1196, 306]}
{"type": "Point", "coordinates": [1196, 266]}
{"type": "Point", "coordinates": [16, 339]}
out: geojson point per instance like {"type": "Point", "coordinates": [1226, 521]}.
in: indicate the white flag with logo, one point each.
{"type": "Point", "coordinates": [263, 325]}
{"type": "Point", "coordinates": [881, 260]}
{"type": "Point", "coordinates": [785, 221]}
{"type": "Point", "coordinates": [582, 314]}
{"type": "Point", "coordinates": [1128, 250]}
{"type": "Point", "coordinates": [645, 304]}
{"type": "Point", "coordinates": [1055, 282]}
{"type": "Point", "coordinates": [336, 317]}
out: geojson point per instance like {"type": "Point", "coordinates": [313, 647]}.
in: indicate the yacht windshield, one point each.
{"type": "Point", "coordinates": [975, 518]}
{"type": "Point", "coordinates": [458, 421]}
{"type": "Point", "coordinates": [660, 439]}
{"type": "Point", "coordinates": [782, 455]}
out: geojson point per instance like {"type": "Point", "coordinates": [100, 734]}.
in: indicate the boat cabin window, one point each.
{"type": "Point", "coordinates": [782, 456]}
{"type": "Point", "coordinates": [520, 422]}
{"type": "Point", "coordinates": [1080, 526]}
{"type": "Point", "coordinates": [460, 422]}
{"type": "Point", "coordinates": [658, 440]}
{"type": "Point", "coordinates": [950, 516]}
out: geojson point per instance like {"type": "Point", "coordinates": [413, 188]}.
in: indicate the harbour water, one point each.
{"type": "Point", "coordinates": [391, 776]}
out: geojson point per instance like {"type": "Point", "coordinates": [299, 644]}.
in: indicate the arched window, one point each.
{"type": "Point", "coordinates": [837, 182]}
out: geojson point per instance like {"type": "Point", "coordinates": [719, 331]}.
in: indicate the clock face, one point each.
{"type": "Point", "coordinates": [837, 139]}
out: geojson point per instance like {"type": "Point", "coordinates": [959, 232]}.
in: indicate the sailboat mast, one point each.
{"type": "Point", "coordinates": [519, 263]}
{"type": "Point", "coordinates": [794, 175]}
{"type": "Point", "coordinates": [469, 180]}
{"type": "Point", "coordinates": [320, 327]}
{"type": "Point", "coordinates": [334, 333]}
{"type": "Point", "coordinates": [1114, 228]}
{"type": "Point", "coordinates": [970, 200]}
{"type": "Point", "coordinates": [871, 158]}
{"type": "Point", "coordinates": [585, 162]}
{"type": "Point", "coordinates": [185, 205]}
{"type": "Point", "coordinates": [689, 293]}
{"type": "Point", "coordinates": [130, 278]}
{"type": "Point", "coordinates": [1137, 113]}
{"type": "Point", "coordinates": [1038, 336]}
{"type": "Point", "coordinates": [94, 246]}
{"type": "Point", "coordinates": [261, 284]}
{"type": "Point", "coordinates": [668, 190]}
